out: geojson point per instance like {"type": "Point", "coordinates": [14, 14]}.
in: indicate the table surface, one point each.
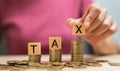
{"type": "Point", "coordinates": [105, 66]}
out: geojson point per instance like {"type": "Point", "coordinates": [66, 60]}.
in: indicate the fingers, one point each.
{"type": "Point", "coordinates": [98, 20]}
{"type": "Point", "coordinates": [109, 32]}
{"type": "Point", "coordinates": [91, 38]}
{"type": "Point", "coordinates": [88, 10]}
{"type": "Point", "coordinates": [104, 26]}
{"type": "Point", "coordinates": [98, 24]}
{"type": "Point", "coordinates": [91, 14]}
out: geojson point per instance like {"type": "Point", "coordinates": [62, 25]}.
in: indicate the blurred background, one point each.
{"type": "Point", "coordinates": [113, 10]}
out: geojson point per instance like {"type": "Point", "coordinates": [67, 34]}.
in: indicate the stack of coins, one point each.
{"type": "Point", "coordinates": [34, 52]}
{"type": "Point", "coordinates": [33, 59]}
{"type": "Point", "coordinates": [55, 55]}
{"type": "Point", "coordinates": [55, 49]}
{"type": "Point", "coordinates": [77, 51]}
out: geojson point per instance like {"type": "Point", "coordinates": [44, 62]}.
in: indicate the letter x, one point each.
{"type": "Point", "coordinates": [78, 28]}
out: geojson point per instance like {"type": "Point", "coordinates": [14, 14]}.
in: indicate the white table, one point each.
{"type": "Point", "coordinates": [105, 66]}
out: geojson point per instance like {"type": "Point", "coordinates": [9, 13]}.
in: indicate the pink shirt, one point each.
{"type": "Point", "coordinates": [37, 20]}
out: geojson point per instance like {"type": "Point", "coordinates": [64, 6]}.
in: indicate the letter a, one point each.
{"type": "Point", "coordinates": [54, 44]}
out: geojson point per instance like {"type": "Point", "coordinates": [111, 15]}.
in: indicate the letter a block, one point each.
{"type": "Point", "coordinates": [54, 43]}
{"type": "Point", "coordinates": [78, 29]}
{"type": "Point", "coordinates": [34, 48]}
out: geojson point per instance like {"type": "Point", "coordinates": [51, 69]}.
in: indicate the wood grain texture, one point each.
{"type": "Point", "coordinates": [34, 48]}
{"type": "Point", "coordinates": [78, 29]}
{"type": "Point", "coordinates": [55, 43]}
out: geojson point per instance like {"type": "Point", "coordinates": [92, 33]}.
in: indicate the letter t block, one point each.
{"type": "Point", "coordinates": [34, 48]}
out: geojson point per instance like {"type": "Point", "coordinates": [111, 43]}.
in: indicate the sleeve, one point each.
{"type": "Point", "coordinates": [1, 1]}
{"type": "Point", "coordinates": [0, 12]}
{"type": "Point", "coordinates": [0, 17]}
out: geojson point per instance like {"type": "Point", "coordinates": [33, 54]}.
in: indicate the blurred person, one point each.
{"type": "Point", "coordinates": [36, 20]}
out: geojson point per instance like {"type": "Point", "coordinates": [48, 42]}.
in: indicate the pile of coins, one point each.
{"type": "Point", "coordinates": [77, 51]}
{"type": "Point", "coordinates": [55, 55]}
{"type": "Point", "coordinates": [34, 60]}
{"type": "Point", "coordinates": [55, 60]}
{"type": "Point", "coordinates": [17, 62]}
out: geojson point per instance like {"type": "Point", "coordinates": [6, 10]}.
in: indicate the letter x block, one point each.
{"type": "Point", "coordinates": [34, 48]}
{"type": "Point", "coordinates": [54, 43]}
{"type": "Point", "coordinates": [78, 29]}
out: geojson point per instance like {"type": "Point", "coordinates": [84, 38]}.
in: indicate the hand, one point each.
{"type": "Point", "coordinates": [99, 25]}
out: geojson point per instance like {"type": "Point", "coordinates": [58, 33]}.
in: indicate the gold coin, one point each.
{"type": "Point", "coordinates": [114, 64]}
{"type": "Point", "coordinates": [55, 55]}
{"type": "Point", "coordinates": [57, 67]}
{"type": "Point", "coordinates": [80, 66]}
{"type": "Point", "coordinates": [34, 58]}
{"type": "Point", "coordinates": [94, 64]}
{"type": "Point", "coordinates": [21, 63]}
{"type": "Point", "coordinates": [58, 63]}
{"type": "Point", "coordinates": [21, 66]}
{"type": "Point", "coordinates": [77, 51]}
{"type": "Point", "coordinates": [34, 64]}
{"type": "Point", "coordinates": [92, 61]}
{"type": "Point", "coordinates": [101, 60]}
{"type": "Point", "coordinates": [12, 62]}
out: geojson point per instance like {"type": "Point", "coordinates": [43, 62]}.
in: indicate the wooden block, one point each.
{"type": "Point", "coordinates": [78, 29]}
{"type": "Point", "coordinates": [54, 43]}
{"type": "Point", "coordinates": [34, 48]}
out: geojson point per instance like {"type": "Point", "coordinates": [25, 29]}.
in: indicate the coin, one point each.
{"type": "Point", "coordinates": [58, 63]}
{"type": "Point", "coordinates": [21, 63]}
{"type": "Point", "coordinates": [94, 64]}
{"type": "Point", "coordinates": [77, 51]}
{"type": "Point", "coordinates": [68, 64]}
{"type": "Point", "coordinates": [57, 67]}
{"type": "Point", "coordinates": [81, 66]}
{"type": "Point", "coordinates": [92, 61]}
{"type": "Point", "coordinates": [101, 60]}
{"type": "Point", "coordinates": [34, 58]}
{"type": "Point", "coordinates": [114, 63]}
{"type": "Point", "coordinates": [34, 64]}
{"type": "Point", "coordinates": [84, 63]}
{"type": "Point", "coordinates": [55, 55]}
{"type": "Point", "coordinates": [21, 66]}
{"type": "Point", "coordinates": [24, 62]}
{"type": "Point", "coordinates": [12, 62]}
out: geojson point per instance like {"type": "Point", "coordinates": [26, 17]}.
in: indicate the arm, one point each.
{"type": "Point", "coordinates": [99, 29]}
